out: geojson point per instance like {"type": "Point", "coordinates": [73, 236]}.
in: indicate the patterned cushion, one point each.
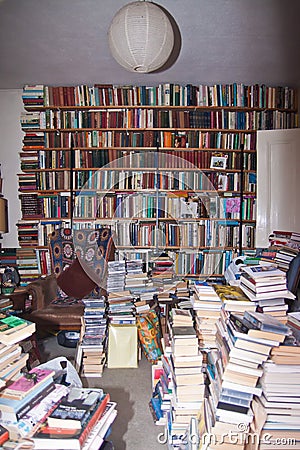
{"type": "Point", "coordinates": [93, 248]}
{"type": "Point", "coordinates": [61, 249]}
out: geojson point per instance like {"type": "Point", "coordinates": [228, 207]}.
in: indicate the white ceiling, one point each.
{"type": "Point", "coordinates": [64, 42]}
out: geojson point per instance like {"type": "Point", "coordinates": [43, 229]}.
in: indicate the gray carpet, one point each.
{"type": "Point", "coordinates": [133, 428]}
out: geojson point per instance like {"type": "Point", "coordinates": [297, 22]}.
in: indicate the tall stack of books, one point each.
{"type": "Point", "coordinates": [266, 285]}
{"type": "Point", "coordinates": [187, 383]}
{"type": "Point", "coordinates": [244, 347]}
{"type": "Point", "coordinates": [280, 381]}
{"type": "Point", "coordinates": [207, 306]}
{"type": "Point", "coordinates": [91, 348]}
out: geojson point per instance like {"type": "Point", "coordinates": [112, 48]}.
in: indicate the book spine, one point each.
{"type": "Point", "coordinates": [94, 419]}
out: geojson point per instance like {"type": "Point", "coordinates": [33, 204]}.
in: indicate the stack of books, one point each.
{"type": "Point", "coordinates": [33, 95]}
{"type": "Point", "coordinates": [121, 308]}
{"type": "Point", "coordinates": [187, 377]}
{"type": "Point", "coordinates": [281, 383]}
{"type": "Point", "coordinates": [79, 420]}
{"type": "Point", "coordinates": [24, 393]}
{"type": "Point", "coordinates": [91, 348]}
{"type": "Point", "coordinates": [27, 264]}
{"type": "Point", "coordinates": [266, 285]}
{"type": "Point", "coordinates": [11, 362]}
{"type": "Point", "coordinates": [207, 306]}
{"type": "Point", "coordinates": [14, 329]}
{"type": "Point", "coordinates": [183, 295]}
{"type": "Point", "coordinates": [284, 256]}
{"type": "Point", "coordinates": [245, 345]}
{"type": "Point", "coordinates": [116, 276]}
{"type": "Point", "coordinates": [162, 272]}
{"type": "Point", "coordinates": [285, 238]}
{"type": "Point", "coordinates": [135, 277]}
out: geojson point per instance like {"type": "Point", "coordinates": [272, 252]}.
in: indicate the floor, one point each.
{"type": "Point", "coordinates": [133, 428]}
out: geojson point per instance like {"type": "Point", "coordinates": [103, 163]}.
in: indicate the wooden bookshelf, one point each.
{"type": "Point", "coordinates": [141, 160]}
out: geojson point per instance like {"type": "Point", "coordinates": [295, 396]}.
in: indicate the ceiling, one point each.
{"type": "Point", "coordinates": [64, 42]}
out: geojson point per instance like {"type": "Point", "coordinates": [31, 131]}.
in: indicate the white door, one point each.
{"type": "Point", "coordinates": [278, 183]}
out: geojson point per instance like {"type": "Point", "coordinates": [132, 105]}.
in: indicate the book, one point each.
{"type": "Point", "coordinates": [4, 434]}
{"type": "Point", "coordinates": [74, 408]}
{"type": "Point", "coordinates": [26, 384]}
{"type": "Point", "coordinates": [264, 271]}
{"type": "Point", "coordinates": [265, 322]}
{"type": "Point", "coordinates": [46, 437]}
{"type": "Point", "coordinates": [16, 411]}
{"type": "Point", "coordinates": [13, 329]}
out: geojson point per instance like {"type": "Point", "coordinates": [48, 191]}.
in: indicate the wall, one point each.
{"type": "Point", "coordinates": [11, 137]}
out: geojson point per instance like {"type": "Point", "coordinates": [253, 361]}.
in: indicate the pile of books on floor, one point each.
{"type": "Point", "coordinates": [121, 308]}
{"type": "Point", "coordinates": [187, 377]}
{"type": "Point", "coordinates": [246, 343]}
{"type": "Point", "coordinates": [266, 286]}
{"type": "Point", "coordinates": [280, 383]}
{"type": "Point", "coordinates": [53, 415]}
{"type": "Point", "coordinates": [91, 348]}
{"type": "Point", "coordinates": [207, 306]}
{"type": "Point", "coordinates": [13, 330]}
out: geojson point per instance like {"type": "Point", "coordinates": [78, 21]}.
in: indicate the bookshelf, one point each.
{"type": "Point", "coordinates": [169, 168]}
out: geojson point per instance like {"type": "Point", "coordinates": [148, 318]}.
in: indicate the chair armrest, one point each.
{"type": "Point", "coordinates": [42, 291]}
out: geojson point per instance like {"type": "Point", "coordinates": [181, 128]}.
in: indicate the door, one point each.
{"type": "Point", "coordinates": [278, 182]}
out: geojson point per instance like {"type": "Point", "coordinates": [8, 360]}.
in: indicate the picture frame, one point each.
{"type": "Point", "coordinates": [218, 162]}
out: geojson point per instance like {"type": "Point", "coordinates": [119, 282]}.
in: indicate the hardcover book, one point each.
{"type": "Point", "coordinates": [74, 408]}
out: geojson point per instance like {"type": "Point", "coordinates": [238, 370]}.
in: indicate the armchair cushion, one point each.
{"type": "Point", "coordinates": [75, 281]}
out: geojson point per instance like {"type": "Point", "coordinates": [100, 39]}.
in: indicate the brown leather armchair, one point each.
{"type": "Point", "coordinates": [47, 314]}
{"type": "Point", "coordinates": [79, 270]}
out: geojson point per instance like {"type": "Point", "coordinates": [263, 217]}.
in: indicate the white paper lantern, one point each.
{"type": "Point", "coordinates": [141, 37]}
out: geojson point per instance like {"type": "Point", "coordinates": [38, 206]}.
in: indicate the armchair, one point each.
{"type": "Point", "coordinates": [79, 263]}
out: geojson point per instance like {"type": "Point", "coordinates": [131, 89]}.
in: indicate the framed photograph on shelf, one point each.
{"type": "Point", "coordinates": [218, 162]}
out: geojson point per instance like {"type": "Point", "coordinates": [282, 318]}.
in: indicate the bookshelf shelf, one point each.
{"type": "Point", "coordinates": [141, 160]}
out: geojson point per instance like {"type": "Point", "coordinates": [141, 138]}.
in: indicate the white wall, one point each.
{"type": "Point", "coordinates": [11, 136]}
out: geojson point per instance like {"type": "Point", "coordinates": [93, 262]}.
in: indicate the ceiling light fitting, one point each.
{"type": "Point", "coordinates": [141, 37]}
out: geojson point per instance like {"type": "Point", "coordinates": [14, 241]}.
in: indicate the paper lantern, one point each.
{"type": "Point", "coordinates": [141, 37]}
